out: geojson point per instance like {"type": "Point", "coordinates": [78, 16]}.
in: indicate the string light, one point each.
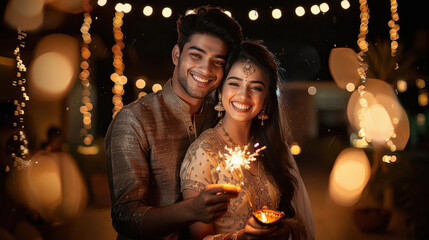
{"type": "Point", "coordinates": [363, 45]}
{"type": "Point", "coordinates": [20, 154]}
{"type": "Point", "coordinates": [394, 27]}
{"type": "Point", "coordinates": [363, 68]}
{"type": "Point", "coordinates": [84, 76]}
{"type": "Point", "coordinates": [118, 77]}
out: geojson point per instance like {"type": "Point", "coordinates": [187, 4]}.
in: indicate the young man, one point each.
{"type": "Point", "coordinates": [147, 140]}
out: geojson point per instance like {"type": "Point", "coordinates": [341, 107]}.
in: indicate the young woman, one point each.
{"type": "Point", "coordinates": [248, 97]}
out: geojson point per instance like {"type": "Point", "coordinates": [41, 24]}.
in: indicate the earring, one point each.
{"type": "Point", "coordinates": [263, 116]}
{"type": "Point", "coordinates": [219, 106]}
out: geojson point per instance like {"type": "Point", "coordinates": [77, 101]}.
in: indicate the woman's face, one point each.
{"type": "Point", "coordinates": [244, 91]}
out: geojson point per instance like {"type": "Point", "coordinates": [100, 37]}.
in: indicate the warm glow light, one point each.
{"type": "Point", "coordinates": [386, 114]}
{"type": "Point", "coordinates": [228, 13]}
{"type": "Point", "coordinates": [295, 149]}
{"type": "Point", "coordinates": [343, 63]}
{"type": "Point", "coordinates": [53, 187]}
{"type": "Point", "coordinates": [421, 119]}
{"type": "Point", "coordinates": [324, 7]}
{"type": "Point", "coordinates": [315, 9]}
{"type": "Point", "coordinates": [350, 87]}
{"type": "Point", "coordinates": [422, 98]}
{"type": "Point", "coordinates": [190, 11]}
{"type": "Point", "coordinates": [300, 11]}
{"type": "Point", "coordinates": [51, 75]}
{"type": "Point", "coordinates": [101, 3]}
{"type": "Point", "coordinates": [119, 7]}
{"type": "Point", "coordinates": [378, 125]}
{"type": "Point", "coordinates": [166, 12]}
{"type": "Point", "coordinates": [312, 90]}
{"type": "Point", "coordinates": [141, 94]}
{"type": "Point", "coordinates": [140, 83]}
{"type": "Point", "coordinates": [28, 8]}
{"type": "Point", "coordinates": [402, 86]}
{"type": "Point", "coordinates": [420, 83]}
{"type": "Point", "coordinates": [126, 8]}
{"type": "Point", "coordinates": [156, 87]}
{"type": "Point", "coordinates": [26, 18]}
{"type": "Point", "coordinates": [277, 13]}
{"type": "Point", "coordinates": [345, 4]}
{"type": "Point", "coordinates": [349, 176]}
{"type": "Point", "coordinates": [147, 11]}
{"type": "Point", "coordinates": [253, 15]}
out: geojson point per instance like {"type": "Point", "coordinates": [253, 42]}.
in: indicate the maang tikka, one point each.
{"type": "Point", "coordinates": [219, 106]}
{"type": "Point", "coordinates": [248, 68]}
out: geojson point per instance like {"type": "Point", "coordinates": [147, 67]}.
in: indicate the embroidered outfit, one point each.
{"type": "Point", "coordinates": [145, 145]}
{"type": "Point", "coordinates": [203, 165]}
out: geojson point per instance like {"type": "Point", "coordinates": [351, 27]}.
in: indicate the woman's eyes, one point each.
{"type": "Point", "coordinates": [254, 87]}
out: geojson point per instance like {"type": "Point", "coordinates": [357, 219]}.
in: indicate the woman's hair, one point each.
{"type": "Point", "coordinates": [276, 158]}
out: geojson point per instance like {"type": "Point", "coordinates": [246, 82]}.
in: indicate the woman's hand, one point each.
{"type": "Point", "coordinates": [256, 231]}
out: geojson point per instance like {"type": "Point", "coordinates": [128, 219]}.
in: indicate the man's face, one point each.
{"type": "Point", "coordinates": [199, 67]}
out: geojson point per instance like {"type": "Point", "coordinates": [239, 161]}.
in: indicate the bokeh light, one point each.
{"type": "Point", "coordinates": [147, 10]}
{"type": "Point", "coordinates": [300, 11]}
{"type": "Point", "coordinates": [101, 3]}
{"type": "Point", "coordinates": [350, 87]}
{"type": "Point", "coordinates": [53, 187]}
{"type": "Point", "coordinates": [140, 83]}
{"type": "Point", "coordinates": [68, 6]}
{"type": "Point", "coordinates": [315, 9]}
{"type": "Point", "coordinates": [190, 11]}
{"type": "Point", "coordinates": [312, 90]}
{"type": "Point", "coordinates": [343, 65]}
{"type": "Point", "coordinates": [253, 15]}
{"type": "Point", "coordinates": [51, 75]}
{"type": "Point", "coordinates": [276, 13]}
{"type": "Point", "coordinates": [345, 4]}
{"type": "Point", "coordinates": [54, 67]}
{"type": "Point", "coordinates": [387, 114]}
{"type": "Point", "coordinates": [127, 8]}
{"type": "Point", "coordinates": [401, 85]}
{"type": "Point", "coordinates": [156, 87]}
{"type": "Point", "coordinates": [167, 12]}
{"type": "Point", "coordinates": [295, 149]}
{"type": "Point", "coordinates": [324, 7]}
{"type": "Point", "coordinates": [17, 16]}
{"type": "Point", "coordinates": [349, 176]}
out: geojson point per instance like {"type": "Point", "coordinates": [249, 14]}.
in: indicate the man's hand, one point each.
{"type": "Point", "coordinates": [212, 203]}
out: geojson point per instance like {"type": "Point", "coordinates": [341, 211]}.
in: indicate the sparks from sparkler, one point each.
{"type": "Point", "coordinates": [237, 157]}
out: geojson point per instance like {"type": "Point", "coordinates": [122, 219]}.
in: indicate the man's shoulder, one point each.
{"type": "Point", "coordinates": [145, 103]}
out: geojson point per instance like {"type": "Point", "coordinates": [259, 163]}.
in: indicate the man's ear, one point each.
{"type": "Point", "coordinates": [175, 54]}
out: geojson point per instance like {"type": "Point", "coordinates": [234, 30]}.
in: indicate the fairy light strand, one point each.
{"type": "Point", "coordinates": [84, 76]}
{"type": "Point", "coordinates": [394, 27]}
{"type": "Point", "coordinates": [363, 68]}
{"type": "Point", "coordinates": [118, 77]}
{"type": "Point", "coordinates": [20, 154]}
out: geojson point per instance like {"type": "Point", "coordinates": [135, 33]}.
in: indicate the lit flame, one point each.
{"type": "Point", "coordinates": [237, 157]}
{"type": "Point", "coordinates": [263, 217]}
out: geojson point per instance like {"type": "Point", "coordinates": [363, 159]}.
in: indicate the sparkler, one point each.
{"type": "Point", "coordinates": [238, 157]}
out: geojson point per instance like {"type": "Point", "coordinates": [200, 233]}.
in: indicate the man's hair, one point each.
{"type": "Point", "coordinates": [212, 21]}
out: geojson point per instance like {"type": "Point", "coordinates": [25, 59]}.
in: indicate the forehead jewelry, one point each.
{"type": "Point", "coordinates": [248, 68]}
